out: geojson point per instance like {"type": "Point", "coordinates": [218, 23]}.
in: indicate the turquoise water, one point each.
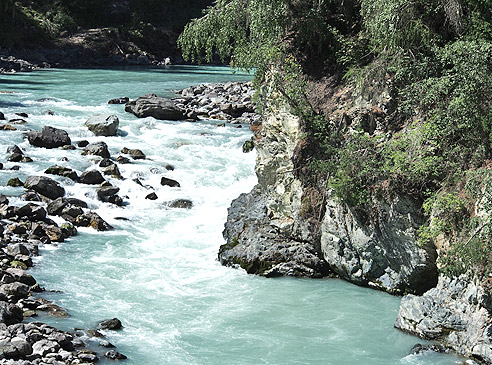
{"type": "Point", "coordinates": [157, 271]}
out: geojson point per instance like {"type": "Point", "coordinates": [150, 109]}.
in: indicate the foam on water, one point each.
{"type": "Point", "coordinates": [158, 270]}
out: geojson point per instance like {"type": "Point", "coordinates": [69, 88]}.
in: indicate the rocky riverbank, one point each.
{"type": "Point", "coordinates": [457, 313]}
{"type": "Point", "coordinates": [30, 222]}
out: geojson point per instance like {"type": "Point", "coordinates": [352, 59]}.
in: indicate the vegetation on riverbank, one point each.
{"type": "Point", "coordinates": [28, 23]}
{"type": "Point", "coordinates": [433, 61]}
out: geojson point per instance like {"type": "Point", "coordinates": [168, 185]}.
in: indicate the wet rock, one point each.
{"type": "Point", "coordinates": [62, 171]}
{"type": "Point", "coordinates": [122, 160]}
{"type": "Point", "coordinates": [110, 324]}
{"type": "Point", "coordinates": [31, 196]}
{"type": "Point", "coordinates": [136, 154]}
{"type": "Point", "coordinates": [14, 149]}
{"type": "Point", "coordinates": [15, 157]}
{"type": "Point", "coordinates": [248, 146]}
{"type": "Point", "coordinates": [169, 182]}
{"type": "Point", "coordinates": [116, 199]}
{"type": "Point", "coordinates": [77, 202]}
{"type": "Point", "coordinates": [105, 192]}
{"type": "Point", "coordinates": [105, 162]}
{"type": "Point", "coordinates": [82, 143]}
{"type": "Point", "coordinates": [113, 171]}
{"type": "Point", "coordinates": [103, 124]}
{"type": "Point", "coordinates": [153, 106]}
{"type": "Point", "coordinates": [49, 137]}
{"type": "Point", "coordinates": [31, 211]}
{"type": "Point", "coordinates": [3, 200]}
{"type": "Point", "coordinates": [122, 100]}
{"type": "Point", "coordinates": [87, 356]}
{"type": "Point", "coordinates": [7, 127]}
{"type": "Point", "coordinates": [181, 203]}
{"type": "Point", "coordinates": [56, 206]}
{"type": "Point", "coordinates": [106, 344]}
{"type": "Point", "coordinates": [17, 121]}
{"type": "Point", "coordinates": [91, 177]}
{"type": "Point", "coordinates": [21, 276]}
{"type": "Point", "coordinates": [114, 355]}
{"type": "Point", "coordinates": [10, 314]}
{"type": "Point", "coordinates": [420, 348]}
{"type": "Point", "coordinates": [68, 229]}
{"type": "Point", "coordinates": [54, 233]}
{"type": "Point", "coordinates": [457, 313]}
{"type": "Point", "coordinates": [97, 149]}
{"type": "Point", "coordinates": [15, 290]}
{"type": "Point", "coordinates": [15, 182]}
{"type": "Point", "coordinates": [23, 115]}
{"type": "Point", "coordinates": [2, 116]}
{"type": "Point", "coordinates": [53, 310]}
{"type": "Point", "coordinates": [92, 219]}
{"type": "Point", "coordinates": [151, 196]}
{"type": "Point", "coordinates": [44, 186]}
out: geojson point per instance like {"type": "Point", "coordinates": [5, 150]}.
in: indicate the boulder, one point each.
{"type": "Point", "coordinates": [113, 171]}
{"type": "Point", "coordinates": [10, 314]}
{"type": "Point", "coordinates": [31, 211]}
{"type": "Point", "coordinates": [91, 219]}
{"type": "Point", "coordinates": [15, 182]}
{"type": "Point", "coordinates": [110, 324]}
{"type": "Point", "coordinates": [98, 149]}
{"type": "Point", "coordinates": [136, 154]}
{"type": "Point", "coordinates": [56, 206]}
{"type": "Point", "coordinates": [15, 157]}
{"type": "Point", "coordinates": [107, 191]}
{"type": "Point", "coordinates": [62, 171]}
{"type": "Point", "coordinates": [3, 200]}
{"type": "Point", "coordinates": [181, 203]}
{"type": "Point", "coordinates": [151, 196]}
{"type": "Point", "coordinates": [44, 186]}
{"type": "Point", "coordinates": [91, 177]}
{"type": "Point", "coordinates": [153, 106]}
{"type": "Point", "coordinates": [114, 355]}
{"type": "Point", "coordinates": [169, 182]}
{"type": "Point", "coordinates": [49, 137]}
{"type": "Point", "coordinates": [103, 124]}
{"type": "Point", "coordinates": [122, 100]}
{"type": "Point", "coordinates": [2, 116]}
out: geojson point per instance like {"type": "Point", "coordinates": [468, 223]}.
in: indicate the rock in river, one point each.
{"type": "Point", "coordinates": [44, 186]}
{"type": "Point", "coordinates": [49, 137]}
{"type": "Point", "coordinates": [153, 106]}
{"type": "Point", "coordinates": [103, 124]}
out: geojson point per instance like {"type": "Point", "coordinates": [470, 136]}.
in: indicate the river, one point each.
{"type": "Point", "coordinates": [157, 271]}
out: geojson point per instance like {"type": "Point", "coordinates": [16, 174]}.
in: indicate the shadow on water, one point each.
{"type": "Point", "coordinates": [7, 104]}
{"type": "Point", "coordinates": [9, 81]}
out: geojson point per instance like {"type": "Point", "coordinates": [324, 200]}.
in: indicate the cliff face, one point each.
{"type": "Point", "coordinates": [456, 312]}
{"type": "Point", "coordinates": [287, 227]}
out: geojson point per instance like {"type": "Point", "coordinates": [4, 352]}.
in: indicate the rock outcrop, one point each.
{"type": "Point", "coordinates": [457, 312]}
{"type": "Point", "coordinates": [287, 226]}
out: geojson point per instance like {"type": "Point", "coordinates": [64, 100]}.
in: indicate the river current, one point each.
{"type": "Point", "coordinates": [157, 271]}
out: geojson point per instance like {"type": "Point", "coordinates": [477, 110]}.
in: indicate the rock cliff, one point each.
{"type": "Point", "coordinates": [286, 226]}
{"type": "Point", "coordinates": [456, 312]}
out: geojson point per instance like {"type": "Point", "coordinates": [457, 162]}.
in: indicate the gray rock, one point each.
{"type": "Point", "coordinates": [97, 149]}
{"type": "Point", "coordinates": [49, 137]}
{"type": "Point", "coordinates": [114, 355]}
{"type": "Point", "coordinates": [136, 154]}
{"type": "Point", "coordinates": [91, 177]}
{"type": "Point", "coordinates": [181, 203]}
{"type": "Point", "coordinates": [15, 182]}
{"type": "Point", "coordinates": [92, 219]}
{"type": "Point", "coordinates": [456, 312]}
{"type": "Point", "coordinates": [62, 171]}
{"type": "Point", "coordinates": [44, 186]}
{"type": "Point", "coordinates": [153, 106]}
{"type": "Point", "coordinates": [169, 182]}
{"type": "Point", "coordinates": [103, 124]}
{"type": "Point", "coordinates": [22, 347]}
{"type": "Point", "coordinates": [107, 191]}
{"type": "Point", "coordinates": [110, 324]}
{"type": "Point", "coordinates": [122, 100]}
{"type": "Point", "coordinates": [31, 211]}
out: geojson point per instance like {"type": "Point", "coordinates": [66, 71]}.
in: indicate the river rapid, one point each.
{"type": "Point", "coordinates": [157, 271]}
